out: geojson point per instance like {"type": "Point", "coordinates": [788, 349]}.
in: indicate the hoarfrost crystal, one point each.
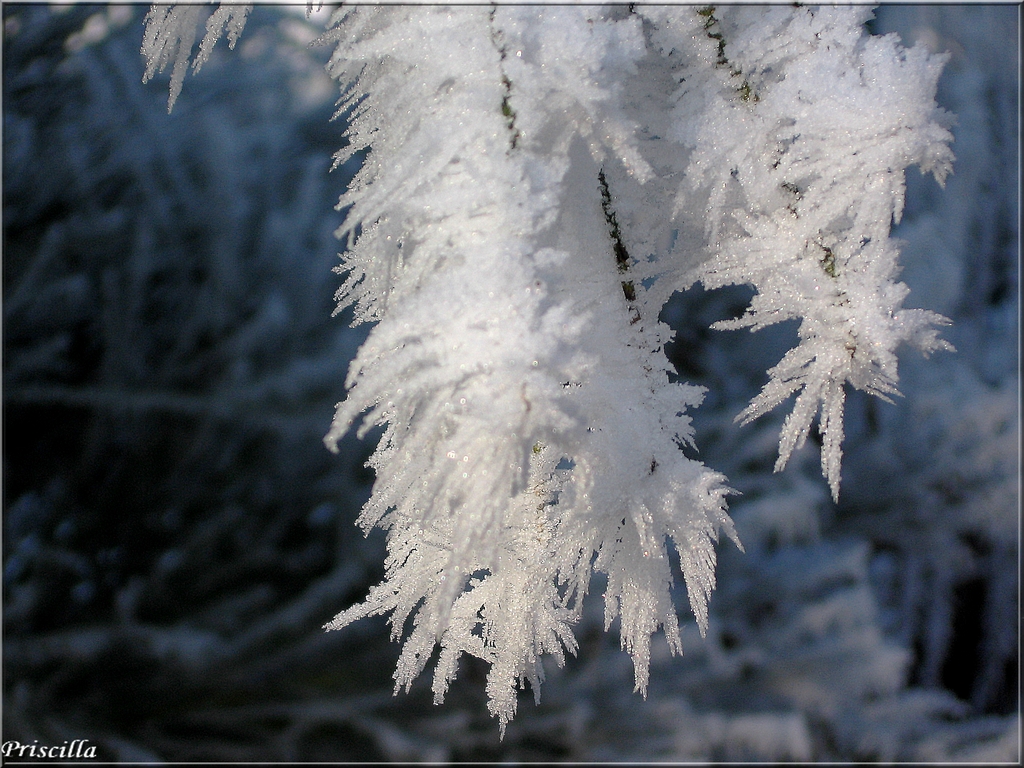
{"type": "Point", "coordinates": [535, 184]}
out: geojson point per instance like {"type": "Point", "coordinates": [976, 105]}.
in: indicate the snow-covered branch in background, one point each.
{"type": "Point", "coordinates": [537, 182]}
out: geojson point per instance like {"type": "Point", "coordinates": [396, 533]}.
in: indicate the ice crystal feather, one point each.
{"type": "Point", "coordinates": [804, 176]}
{"type": "Point", "coordinates": [171, 34]}
{"type": "Point", "coordinates": [535, 184]}
{"type": "Point", "coordinates": [522, 421]}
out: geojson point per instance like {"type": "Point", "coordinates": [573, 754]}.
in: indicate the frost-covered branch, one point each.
{"type": "Point", "coordinates": [171, 35]}
{"type": "Point", "coordinates": [536, 183]}
{"type": "Point", "coordinates": [802, 182]}
{"type": "Point", "coordinates": [503, 362]}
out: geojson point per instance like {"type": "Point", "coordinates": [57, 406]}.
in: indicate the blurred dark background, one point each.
{"type": "Point", "coordinates": [175, 533]}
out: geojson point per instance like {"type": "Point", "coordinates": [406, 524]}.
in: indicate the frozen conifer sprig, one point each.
{"type": "Point", "coordinates": [171, 33]}
{"type": "Point", "coordinates": [800, 179]}
{"type": "Point", "coordinates": [536, 184]}
{"type": "Point", "coordinates": [528, 441]}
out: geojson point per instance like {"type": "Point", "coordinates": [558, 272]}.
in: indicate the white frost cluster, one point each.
{"type": "Point", "coordinates": [536, 182]}
{"type": "Point", "coordinates": [171, 34]}
{"type": "Point", "coordinates": [801, 128]}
